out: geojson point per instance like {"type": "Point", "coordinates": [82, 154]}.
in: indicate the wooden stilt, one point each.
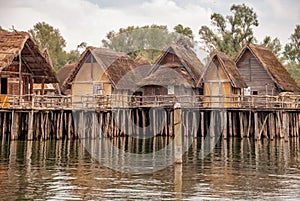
{"type": "Point", "coordinates": [256, 126]}
{"type": "Point", "coordinates": [30, 126]}
{"type": "Point", "coordinates": [241, 119]}
{"type": "Point", "coordinates": [212, 124]}
{"type": "Point", "coordinates": [202, 123]}
{"type": "Point", "coordinates": [285, 125]}
{"type": "Point", "coordinates": [224, 124]}
{"type": "Point", "coordinates": [229, 124]}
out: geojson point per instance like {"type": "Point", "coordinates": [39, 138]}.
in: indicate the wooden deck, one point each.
{"type": "Point", "coordinates": [99, 102]}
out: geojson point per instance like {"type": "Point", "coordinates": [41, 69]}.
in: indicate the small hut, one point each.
{"type": "Point", "coordinates": [262, 72]}
{"type": "Point", "coordinates": [175, 72]}
{"type": "Point", "coordinates": [222, 82]}
{"type": "Point", "coordinates": [62, 75]}
{"type": "Point", "coordinates": [100, 71]}
{"type": "Point", "coordinates": [22, 65]}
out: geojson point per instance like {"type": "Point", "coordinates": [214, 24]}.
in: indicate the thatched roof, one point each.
{"type": "Point", "coordinates": [114, 64]}
{"type": "Point", "coordinates": [274, 68]}
{"type": "Point", "coordinates": [193, 68]}
{"type": "Point", "coordinates": [166, 76]}
{"type": "Point", "coordinates": [229, 68]}
{"type": "Point", "coordinates": [141, 61]}
{"type": "Point", "coordinates": [64, 72]}
{"type": "Point", "coordinates": [12, 44]}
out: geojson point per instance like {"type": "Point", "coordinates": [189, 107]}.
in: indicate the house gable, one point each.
{"type": "Point", "coordinates": [255, 75]}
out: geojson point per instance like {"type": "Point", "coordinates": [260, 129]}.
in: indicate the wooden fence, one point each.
{"type": "Point", "coordinates": [47, 102]}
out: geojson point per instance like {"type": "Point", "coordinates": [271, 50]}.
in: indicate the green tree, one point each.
{"type": "Point", "coordinates": [273, 44]}
{"type": "Point", "coordinates": [147, 40]}
{"type": "Point", "coordinates": [48, 37]}
{"type": "Point", "coordinates": [73, 55]}
{"type": "Point", "coordinates": [2, 29]}
{"type": "Point", "coordinates": [292, 49]}
{"type": "Point", "coordinates": [231, 32]}
{"type": "Point", "coordinates": [292, 54]}
{"type": "Point", "coordinates": [186, 31]}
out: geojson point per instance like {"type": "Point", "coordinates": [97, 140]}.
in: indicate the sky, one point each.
{"type": "Point", "coordinates": [90, 20]}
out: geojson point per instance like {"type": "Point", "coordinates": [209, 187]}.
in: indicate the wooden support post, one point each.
{"type": "Point", "coordinates": [271, 126]}
{"type": "Point", "coordinates": [61, 124]}
{"type": "Point", "coordinates": [224, 124]}
{"type": "Point", "coordinates": [242, 130]}
{"type": "Point", "coordinates": [230, 124]}
{"type": "Point", "coordinates": [4, 128]}
{"type": "Point", "coordinates": [256, 126]}
{"type": "Point", "coordinates": [171, 123]}
{"type": "Point", "coordinates": [30, 125]}
{"type": "Point", "coordinates": [195, 124]}
{"type": "Point", "coordinates": [15, 125]}
{"type": "Point", "coordinates": [285, 125]}
{"type": "Point", "coordinates": [212, 124]}
{"type": "Point", "coordinates": [178, 133]}
{"type": "Point", "coordinates": [154, 122]}
{"type": "Point", "coordinates": [178, 181]}
{"type": "Point", "coordinates": [69, 125]}
{"type": "Point", "coordinates": [249, 124]}
{"type": "Point", "coordinates": [202, 124]}
{"type": "Point", "coordinates": [262, 129]}
{"type": "Point", "coordinates": [235, 125]}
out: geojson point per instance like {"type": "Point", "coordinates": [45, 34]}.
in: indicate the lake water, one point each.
{"type": "Point", "coordinates": [235, 169]}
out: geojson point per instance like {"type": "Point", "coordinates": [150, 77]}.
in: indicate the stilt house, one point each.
{"type": "Point", "coordinates": [22, 65]}
{"type": "Point", "coordinates": [222, 82]}
{"type": "Point", "coordinates": [62, 75]}
{"type": "Point", "coordinates": [100, 71]}
{"type": "Point", "coordinates": [262, 72]}
{"type": "Point", "coordinates": [176, 72]}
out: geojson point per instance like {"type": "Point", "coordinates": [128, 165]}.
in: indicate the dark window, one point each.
{"type": "Point", "coordinates": [90, 59]}
{"type": "Point", "coordinates": [254, 92]}
{"type": "Point", "coordinates": [3, 85]}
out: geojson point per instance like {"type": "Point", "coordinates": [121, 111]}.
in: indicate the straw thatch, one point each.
{"type": "Point", "coordinates": [189, 67]}
{"type": "Point", "coordinates": [229, 68]}
{"type": "Point", "coordinates": [114, 64]}
{"type": "Point", "coordinates": [274, 68]}
{"type": "Point", "coordinates": [64, 72]}
{"type": "Point", "coordinates": [141, 61]}
{"type": "Point", "coordinates": [13, 44]}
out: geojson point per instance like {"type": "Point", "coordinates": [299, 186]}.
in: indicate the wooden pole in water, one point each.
{"type": "Point", "coordinates": [202, 124]}
{"type": "Point", "coordinates": [230, 124]}
{"type": "Point", "coordinates": [224, 124]}
{"type": "Point", "coordinates": [256, 126]}
{"type": "Point", "coordinates": [212, 124]}
{"type": "Point", "coordinates": [30, 126]}
{"type": "Point", "coordinates": [178, 133]}
{"type": "Point", "coordinates": [69, 124]}
{"type": "Point", "coordinates": [285, 125]}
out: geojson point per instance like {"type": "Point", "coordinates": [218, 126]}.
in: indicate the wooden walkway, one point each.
{"type": "Point", "coordinates": [99, 102]}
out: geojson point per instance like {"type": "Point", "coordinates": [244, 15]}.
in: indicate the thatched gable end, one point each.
{"type": "Point", "coordinates": [13, 44]}
{"type": "Point", "coordinates": [271, 64]}
{"type": "Point", "coordinates": [185, 58]}
{"type": "Point", "coordinates": [229, 68]}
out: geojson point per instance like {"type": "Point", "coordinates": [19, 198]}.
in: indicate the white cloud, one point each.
{"type": "Point", "coordinates": [82, 20]}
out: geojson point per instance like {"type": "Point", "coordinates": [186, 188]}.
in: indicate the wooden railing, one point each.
{"type": "Point", "coordinates": [47, 102]}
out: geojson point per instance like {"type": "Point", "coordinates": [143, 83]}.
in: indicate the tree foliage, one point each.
{"type": "Point", "coordinates": [273, 44]}
{"type": "Point", "coordinates": [186, 31]}
{"type": "Point", "coordinates": [46, 36]}
{"type": "Point", "coordinates": [230, 32]}
{"type": "Point", "coordinates": [147, 41]}
{"type": "Point", "coordinates": [292, 54]}
{"type": "Point", "coordinates": [292, 49]}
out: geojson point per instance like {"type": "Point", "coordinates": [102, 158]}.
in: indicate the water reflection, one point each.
{"type": "Point", "coordinates": [235, 169]}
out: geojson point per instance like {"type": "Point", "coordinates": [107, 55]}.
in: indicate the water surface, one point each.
{"type": "Point", "coordinates": [234, 170]}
